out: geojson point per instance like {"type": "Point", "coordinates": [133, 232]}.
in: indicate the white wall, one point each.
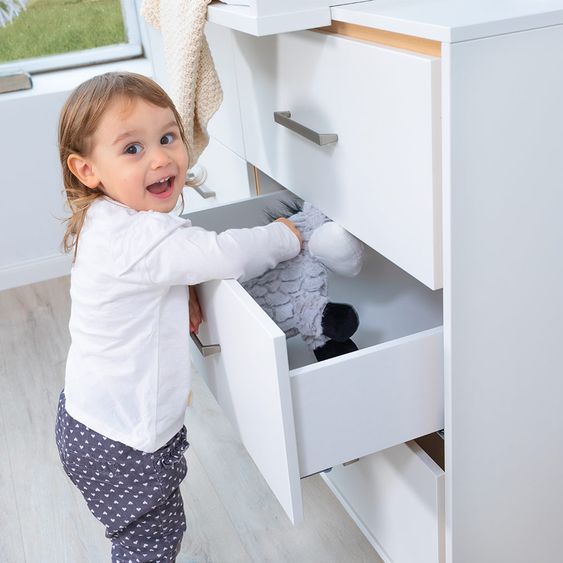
{"type": "Point", "coordinates": [31, 199]}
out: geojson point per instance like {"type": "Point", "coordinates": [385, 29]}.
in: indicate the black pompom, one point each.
{"type": "Point", "coordinates": [332, 349]}
{"type": "Point", "coordinates": [340, 321]}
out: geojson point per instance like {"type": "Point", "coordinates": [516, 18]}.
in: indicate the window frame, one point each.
{"type": "Point", "coordinates": [87, 57]}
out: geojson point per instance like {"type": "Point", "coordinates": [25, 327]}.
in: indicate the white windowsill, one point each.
{"type": "Point", "coordinates": [74, 59]}
{"type": "Point", "coordinates": [65, 80]}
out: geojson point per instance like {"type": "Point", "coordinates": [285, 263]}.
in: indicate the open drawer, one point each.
{"type": "Point", "coordinates": [354, 128]}
{"type": "Point", "coordinates": [396, 497]}
{"type": "Point", "coordinates": [266, 17]}
{"type": "Point", "coordinates": [297, 417]}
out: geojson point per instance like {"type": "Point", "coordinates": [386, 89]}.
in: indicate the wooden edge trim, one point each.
{"type": "Point", "coordinates": [256, 180]}
{"type": "Point", "coordinates": [390, 38]}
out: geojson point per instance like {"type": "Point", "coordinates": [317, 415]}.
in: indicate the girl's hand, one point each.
{"type": "Point", "coordinates": [293, 228]}
{"type": "Point", "coordinates": [195, 310]}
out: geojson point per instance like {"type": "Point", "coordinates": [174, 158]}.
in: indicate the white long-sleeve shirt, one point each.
{"type": "Point", "coordinates": [128, 367]}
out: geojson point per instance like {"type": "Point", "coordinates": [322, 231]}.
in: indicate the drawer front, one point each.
{"type": "Point", "coordinates": [367, 401]}
{"type": "Point", "coordinates": [249, 379]}
{"type": "Point", "coordinates": [381, 178]}
{"type": "Point", "coordinates": [296, 416]}
{"type": "Point", "coordinates": [265, 17]}
{"type": "Point", "coordinates": [227, 179]}
{"type": "Point", "coordinates": [397, 498]}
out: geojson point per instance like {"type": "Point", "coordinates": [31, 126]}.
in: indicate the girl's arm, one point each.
{"type": "Point", "coordinates": [196, 316]}
{"type": "Point", "coordinates": [192, 255]}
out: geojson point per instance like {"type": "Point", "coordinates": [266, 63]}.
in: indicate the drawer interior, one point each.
{"type": "Point", "coordinates": [390, 303]}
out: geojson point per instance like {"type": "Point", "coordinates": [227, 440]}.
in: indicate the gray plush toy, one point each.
{"type": "Point", "coordinates": [295, 293]}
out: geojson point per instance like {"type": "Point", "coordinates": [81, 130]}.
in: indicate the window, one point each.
{"type": "Point", "coordinates": [56, 34]}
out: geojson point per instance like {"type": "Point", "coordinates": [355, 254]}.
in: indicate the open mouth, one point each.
{"type": "Point", "coordinates": [163, 188]}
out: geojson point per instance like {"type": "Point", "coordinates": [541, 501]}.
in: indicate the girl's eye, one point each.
{"type": "Point", "coordinates": [135, 148]}
{"type": "Point", "coordinates": [167, 139]}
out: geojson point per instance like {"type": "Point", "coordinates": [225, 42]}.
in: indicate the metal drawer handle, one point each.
{"type": "Point", "coordinates": [284, 118]}
{"type": "Point", "coordinates": [204, 191]}
{"type": "Point", "coordinates": [205, 350]}
{"type": "Point", "coordinates": [199, 172]}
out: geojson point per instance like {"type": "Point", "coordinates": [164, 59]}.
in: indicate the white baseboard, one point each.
{"type": "Point", "coordinates": [32, 271]}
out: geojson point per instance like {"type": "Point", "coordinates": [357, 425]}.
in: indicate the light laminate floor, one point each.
{"type": "Point", "coordinates": [232, 516]}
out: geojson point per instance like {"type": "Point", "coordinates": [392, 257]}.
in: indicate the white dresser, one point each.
{"type": "Point", "coordinates": [448, 164]}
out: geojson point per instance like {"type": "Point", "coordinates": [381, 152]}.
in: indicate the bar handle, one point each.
{"type": "Point", "coordinates": [200, 173]}
{"type": "Point", "coordinates": [204, 191]}
{"type": "Point", "coordinates": [205, 349]}
{"type": "Point", "coordinates": [284, 118]}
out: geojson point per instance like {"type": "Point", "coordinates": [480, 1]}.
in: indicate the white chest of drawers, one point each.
{"type": "Point", "coordinates": [502, 235]}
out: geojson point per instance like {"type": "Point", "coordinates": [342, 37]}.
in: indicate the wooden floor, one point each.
{"type": "Point", "coordinates": [232, 516]}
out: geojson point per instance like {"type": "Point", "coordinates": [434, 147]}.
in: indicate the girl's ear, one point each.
{"type": "Point", "coordinates": [82, 168]}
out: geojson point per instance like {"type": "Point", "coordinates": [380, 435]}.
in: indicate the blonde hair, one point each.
{"type": "Point", "coordinates": [78, 122]}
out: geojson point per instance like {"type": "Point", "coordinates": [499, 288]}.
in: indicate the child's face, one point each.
{"type": "Point", "coordinates": [138, 157]}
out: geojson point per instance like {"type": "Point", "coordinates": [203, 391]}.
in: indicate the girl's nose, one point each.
{"type": "Point", "coordinates": [160, 158]}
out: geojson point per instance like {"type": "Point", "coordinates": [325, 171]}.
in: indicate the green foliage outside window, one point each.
{"type": "Point", "coordinates": [49, 27]}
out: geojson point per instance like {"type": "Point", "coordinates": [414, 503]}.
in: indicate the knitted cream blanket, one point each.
{"type": "Point", "coordinates": [195, 87]}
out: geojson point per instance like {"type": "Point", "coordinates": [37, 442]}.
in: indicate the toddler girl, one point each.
{"type": "Point", "coordinates": [119, 430]}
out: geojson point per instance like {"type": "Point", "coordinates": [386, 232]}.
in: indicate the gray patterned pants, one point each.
{"type": "Point", "coordinates": [135, 494]}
